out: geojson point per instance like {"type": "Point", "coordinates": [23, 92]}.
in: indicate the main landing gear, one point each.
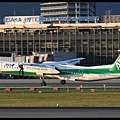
{"type": "Point", "coordinates": [43, 83]}
{"type": "Point", "coordinates": [63, 82]}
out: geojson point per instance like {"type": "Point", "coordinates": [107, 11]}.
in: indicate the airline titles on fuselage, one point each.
{"type": "Point", "coordinates": [12, 65]}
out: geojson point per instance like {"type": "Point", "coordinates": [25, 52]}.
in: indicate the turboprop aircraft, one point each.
{"type": "Point", "coordinates": [26, 69]}
{"type": "Point", "coordinates": [33, 69]}
{"type": "Point", "coordinates": [85, 73]}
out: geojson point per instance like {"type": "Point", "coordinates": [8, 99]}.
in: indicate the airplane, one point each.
{"type": "Point", "coordinates": [87, 73]}
{"type": "Point", "coordinates": [62, 71]}
{"type": "Point", "coordinates": [33, 69]}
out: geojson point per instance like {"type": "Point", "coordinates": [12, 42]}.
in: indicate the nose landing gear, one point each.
{"type": "Point", "coordinates": [43, 83]}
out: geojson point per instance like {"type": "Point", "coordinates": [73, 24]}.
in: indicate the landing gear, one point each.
{"type": "Point", "coordinates": [43, 83]}
{"type": "Point", "coordinates": [63, 82]}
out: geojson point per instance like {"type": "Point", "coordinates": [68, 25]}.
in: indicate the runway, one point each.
{"type": "Point", "coordinates": [57, 81]}
{"type": "Point", "coordinates": [59, 112]}
{"type": "Point", "coordinates": [51, 83]}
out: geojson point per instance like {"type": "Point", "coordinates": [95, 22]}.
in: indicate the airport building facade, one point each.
{"type": "Point", "coordinates": [97, 42]}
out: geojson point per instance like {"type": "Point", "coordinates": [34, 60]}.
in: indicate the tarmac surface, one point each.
{"type": "Point", "coordinates": [59, 112]}
{"type": "Point", "coordinates": [36, 83]}
{"type": "Point", "coordinates": [56, 81]}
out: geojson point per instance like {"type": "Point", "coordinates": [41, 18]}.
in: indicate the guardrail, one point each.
{"type": "Point", "coordinates": [57, 88]}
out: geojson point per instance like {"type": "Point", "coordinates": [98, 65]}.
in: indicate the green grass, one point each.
{"type": "Point", "coordinates": [71, 98]}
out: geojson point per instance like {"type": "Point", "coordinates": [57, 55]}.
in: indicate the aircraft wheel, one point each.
{"type": "Point", "coordinates": [63, 82]}
{"type": "Point", "coordinates": [43, 84]}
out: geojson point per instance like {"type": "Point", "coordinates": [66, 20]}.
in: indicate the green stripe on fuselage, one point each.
{"type": "Point", "coordinates": [85, 71]}
{"type": "Point", "coordinates": [17, 73]}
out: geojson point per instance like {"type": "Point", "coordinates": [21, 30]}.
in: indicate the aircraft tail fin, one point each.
{"type": "Point", "coordinates": [116, 66]}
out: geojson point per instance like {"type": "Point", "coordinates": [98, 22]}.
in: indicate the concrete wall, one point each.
{"type": "Point", "coordinates": [55, 56]}
{"type": "Point", "coordinates": [59, 56]}
{"type": "Point", "coordinates": [35, 26]}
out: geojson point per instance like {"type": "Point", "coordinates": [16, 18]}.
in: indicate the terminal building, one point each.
{"type": "Point", "coordinates": [97, 41]}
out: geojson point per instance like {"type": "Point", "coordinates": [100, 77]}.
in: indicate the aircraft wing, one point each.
{"type": "Point", "coordinates": [72, 61]}
{"type": "Point", "coordinates": [64, 62]}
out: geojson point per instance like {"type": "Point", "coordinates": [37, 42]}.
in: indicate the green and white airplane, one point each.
{"type": "Point", "coordinates": [61, 71]}
{"type": "Point", "coordinates": [89, 73]}
{"type": "Point", "coordinates": [34, 69]}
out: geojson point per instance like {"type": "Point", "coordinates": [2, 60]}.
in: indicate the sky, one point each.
{"type": "Point", "coordinates": [33, 8]}
{"type": "Point", "coordinates": [101, 8]}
